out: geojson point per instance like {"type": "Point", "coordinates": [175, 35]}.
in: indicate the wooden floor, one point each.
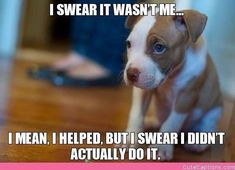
{"type": "Point", "coordinates": [30, 105]}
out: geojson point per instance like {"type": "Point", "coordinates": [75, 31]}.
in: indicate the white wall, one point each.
{"type": "Point", "coordinates": [9, 26]}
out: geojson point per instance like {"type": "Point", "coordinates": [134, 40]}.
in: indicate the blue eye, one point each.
{"type": "Point", "coordinates": [159, 48]}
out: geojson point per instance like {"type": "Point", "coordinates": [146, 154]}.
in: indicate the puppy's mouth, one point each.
{"type": "Point", "coordinates": [147, 84]}
{"type": "Point", "coordinates": [166, 74]}
{"type": "Point", "coordinates": [147, 81]}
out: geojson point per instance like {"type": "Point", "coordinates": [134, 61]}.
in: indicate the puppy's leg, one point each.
{"type": "Point", "coordinates": [173, 123]}
{"type": "Point", "coordinates": [140, 103]}
{"type": "Point", "coordinates": [183, 104]}
{"type": "Point", "coordinates": [208, 124]}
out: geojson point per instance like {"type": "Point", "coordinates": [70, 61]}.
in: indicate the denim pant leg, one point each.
{"type": "Point", "coordinates": [101, 38]}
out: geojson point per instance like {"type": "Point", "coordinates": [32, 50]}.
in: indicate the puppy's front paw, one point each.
{"type": "Point", "coordinates": [165, 152]}
{"type": "Point", "coordinates": [198, 148]}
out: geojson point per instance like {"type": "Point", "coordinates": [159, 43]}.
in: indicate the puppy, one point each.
{"type": "Point", "coordinates": [168, 59]}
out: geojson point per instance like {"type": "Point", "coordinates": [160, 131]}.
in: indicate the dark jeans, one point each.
{"type": "Point", "coordinates": [101, 38]}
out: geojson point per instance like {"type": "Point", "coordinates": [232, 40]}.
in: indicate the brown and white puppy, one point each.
{"type": "Point", "coordinates": [168, 58]}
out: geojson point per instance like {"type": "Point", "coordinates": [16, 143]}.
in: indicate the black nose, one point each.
{"type": "Point", "coordinates": [133, 74]}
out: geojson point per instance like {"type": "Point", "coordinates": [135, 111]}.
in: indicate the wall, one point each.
{"type": "Point", "coordinates": [10, 11]}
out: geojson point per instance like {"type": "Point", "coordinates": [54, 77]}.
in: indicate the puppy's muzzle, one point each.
{"type": "Point", "coordinates": [133, 74]}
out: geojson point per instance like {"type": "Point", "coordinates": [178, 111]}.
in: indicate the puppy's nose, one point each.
{"type": "Point", "coordinates": [133, 74]}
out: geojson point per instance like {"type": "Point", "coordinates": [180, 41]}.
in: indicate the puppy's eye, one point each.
{"type": "Point", "coordinates": [159, 48]}
{"type": "Point", "coordinates": [128, 44]}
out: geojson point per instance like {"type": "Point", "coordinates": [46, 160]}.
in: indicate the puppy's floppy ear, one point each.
{"type": "Point", "coordinates": [131, 21]}
{"type": "Point", "coordinates": [194, 21]}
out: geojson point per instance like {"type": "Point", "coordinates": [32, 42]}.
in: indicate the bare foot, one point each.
{"type": "Point", "coordinates": [80, 67]}
{"type": "Point", "coordinates": [88, 70]}
{"type": "Point", "coordinates": [73, 59]}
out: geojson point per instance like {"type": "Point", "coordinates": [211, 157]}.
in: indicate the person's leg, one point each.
{"type": "Point", "coordinates": [98, 44]}
{"type": "Point", "coordinates": [106, 44]}
{"type": "Point", "coordinates": [82, 36]}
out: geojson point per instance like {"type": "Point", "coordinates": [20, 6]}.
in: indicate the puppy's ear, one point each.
{"type": "Point", "coordinates": [131, 21]}
{"type": "Point", "coordinates": [194, 21]}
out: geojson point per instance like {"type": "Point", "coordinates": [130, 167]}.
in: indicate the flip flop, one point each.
{"type": "Point", "coordinates": [62, 79]}
{"type": "Point", "coordinates": [42, 72]}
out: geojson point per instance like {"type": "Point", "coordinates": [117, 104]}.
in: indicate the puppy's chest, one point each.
{"type": "Point", "coordinates": [165, 99]}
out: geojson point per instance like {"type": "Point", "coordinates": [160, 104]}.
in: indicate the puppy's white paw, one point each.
{"type": "Point", "coordinates": [165, 152]}
{"type": "Point", "coordinates": [198, 148]}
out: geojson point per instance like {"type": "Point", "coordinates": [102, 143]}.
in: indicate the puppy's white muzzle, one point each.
{"type": "Point", "coordinates": [143, 73]}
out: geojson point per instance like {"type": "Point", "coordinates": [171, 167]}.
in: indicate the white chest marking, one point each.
{"type": "Point", "coordinates": [195, 63]}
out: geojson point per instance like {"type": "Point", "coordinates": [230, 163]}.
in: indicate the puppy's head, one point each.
{"type": "Point", "coordinates": [156, 46]}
